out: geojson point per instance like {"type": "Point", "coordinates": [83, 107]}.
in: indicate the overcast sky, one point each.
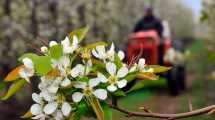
{"type": "Point", "coordinates": [195, 5]}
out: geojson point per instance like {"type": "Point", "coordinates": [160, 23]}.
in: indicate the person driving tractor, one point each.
{"type": "Point", "coordinates": [149, 22]}
{"type": "Point", "coordinates": [151, 40]}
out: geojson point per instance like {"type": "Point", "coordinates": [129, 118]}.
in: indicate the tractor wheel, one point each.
{"type": "Point", "coordinates": [172, 81]}
{"type": "Point", "coordinates": [181, 76]}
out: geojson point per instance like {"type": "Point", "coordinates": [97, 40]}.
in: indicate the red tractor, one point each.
{"type": "Point", "coordinates": [148, 45]}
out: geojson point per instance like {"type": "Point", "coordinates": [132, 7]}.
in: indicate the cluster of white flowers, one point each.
{"type": "Point", "coordinates": [51, 103]}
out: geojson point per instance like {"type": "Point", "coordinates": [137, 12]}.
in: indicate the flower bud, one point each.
{"type": "Point", "coordinates": [52, 43]}
{"type": "Point", "coordinates": [43, 49]}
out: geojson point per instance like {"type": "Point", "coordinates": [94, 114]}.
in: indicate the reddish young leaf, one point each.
{"type": "Point", "coordinates": [27, 115]}
{"type": "Point", "coordinates": [147, 75]}
{"type": "Point", "coordinates": [14, 74]}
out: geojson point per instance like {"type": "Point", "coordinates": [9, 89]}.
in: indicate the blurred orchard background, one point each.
{"type": "Point", "coordinates": [24, 24]}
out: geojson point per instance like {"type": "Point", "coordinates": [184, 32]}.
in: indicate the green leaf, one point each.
{"type": "Point", "coordinates": [31, 56]}
{"type": "Point", "coordinates": [137, 86]}
{"type": "Point", "coordinates": [158, 68]}
{"type": "Point", "coordinates": [119, 93]}
{"type": "Point", "coordinates": [42, 65]}
{"type": "Point", "coordinates": [107, 110]}
{"type": "Point", "coordinates": [80, 33]}
{"type": "Point", "coordinates": [82, 110]}
{"type": "Point", "coordinates": [130, 77]}
{"type": "Point", "coordinates": [16, 86]}
{"type": "Point", "coordinates": [83, 79]}
{"type": "Point", "coordinates": [2, 86]}
{"type": "Point", "coordinates": [117, 61]}
{"type": "Point", "coordinates": [56, 51]}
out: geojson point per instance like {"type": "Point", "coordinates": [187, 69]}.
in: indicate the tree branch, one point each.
{"type": "Point", "coordinates": [166, 116]}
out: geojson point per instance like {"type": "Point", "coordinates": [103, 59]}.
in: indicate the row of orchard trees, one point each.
{"type": "Point", "coordinates": [29, 21]}
{"type": "Point", "coordinates": [208, 16]}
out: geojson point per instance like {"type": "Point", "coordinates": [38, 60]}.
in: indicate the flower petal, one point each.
{"type": "Point", "coordinates": [100, 93]}
{"type": "Point", "coordinates": [95, 54]}
{"type": "Point", "coordinates": [122, 83]}
{"type": "Point", "coordinates": [102, 78]}
{"type": "Point", "coordinates": [28, 63]}
{"type": "Point", "coordinates": [36, 98]}
{"type": "Point", "coordinates": [88, 67]}
{"type": "Point", "coordinates": [77, 70]}
{"type": "Point", "coordinates": [66, 82]}
{"type": "Point", "coordinates": [75, 41]}
{"type": "Point", "coordinates": [53, 88]}
{"type": "Point", "coordinates": [58, 115]}
{"type": "Point", "coordinates": [47, 96]}
{"type": "Point", "coordinates": [111, 68]}
{"type": "Point", "coordinates": [65, 42]}
{"type": "Point", "coordinates": [67, 49]}
{"type": "Point", "coordinates": [26, 73]}
{"type": "Point", "coordinates": [66, 108]}
{"type": "Point", "coordinates": [112, 48]}
{"type": "Point", "coordinates": [43, 49]}
{"type": "Point", "coordinates": [141, 63]}
{"type": "Point", "coordinates": [39, 117]}
{"type": "Point", "coordinates": [50, 108]}
{"type": "Point", "coordinates": [77, 96]}
{"type": "Point", "coordinates": [65, 61]}
{"type": "Point", "coordinates": [36, 109]}
{"type": "Point", "coordinates": [133, 68]}
{"type": "Point", "coordinates": [101, 51]}
{"type": "Point", "coordinates": [52, 43]}
{"type": "Point", "coordinates": [121, 55]}
{"type": "Point", "coordinates": [122, 72]}
{"type": "Point", "coordinates": [94, 82]}
{"type": "Point", "coordinates": [112, 88]}
{"type": "Point", "coordinates": [80, 84]}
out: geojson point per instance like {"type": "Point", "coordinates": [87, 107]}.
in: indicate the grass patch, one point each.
{"type": "Point", "coordinates": [135, 99]}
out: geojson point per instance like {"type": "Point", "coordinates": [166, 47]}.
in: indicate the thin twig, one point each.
{"type": "Point", "coordinates": [190, 104]}
{"type": "Point", "coordinates": [197, 112]}
{"type": "Point", "coordinates": [145, 109]}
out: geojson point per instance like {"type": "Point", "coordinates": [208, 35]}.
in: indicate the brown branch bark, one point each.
{"type": "Point", "coordinates": [197, 112]}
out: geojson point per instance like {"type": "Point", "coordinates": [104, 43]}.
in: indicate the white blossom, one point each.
{"type": "Point", "coordinates": [50, 85]}
{"type": "Point", "coordinates": [43, 49]}
{"type": "Point", "coordinates": [40, 110]}
{"type": "Point", "coordinates": [37, 108]}
{"type": "Point", "coordinates": [88, 90]}
{"type": "Point", "coordinates": [141, 66]}
{"type": "Point", "coordinates": [115, 78]}
{"type": "Point", "coordinates": [81, 70]}
{"type": "Point", "coordinates": [102, 54]}
{"type": "Point", "coordinates": [52, 43]}
{"type": "Point", "coordinates": [68, 47]}
{"type": "Point", "coordinates": [62, 64]}
{"type": "Point", "coordinates": [28, 70]}
{"type": "Point", "coordinates": [121, 55]}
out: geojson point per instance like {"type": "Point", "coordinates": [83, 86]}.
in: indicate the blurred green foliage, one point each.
{"type": "Point", "coordinates": [208, 16]}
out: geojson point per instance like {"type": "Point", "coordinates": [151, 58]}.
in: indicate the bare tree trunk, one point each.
{"type": "Point", "coordinates": [34, 22]}
{"type": "Point", "coordinates": [53, 7]}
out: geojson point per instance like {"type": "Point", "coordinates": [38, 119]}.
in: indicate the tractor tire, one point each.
{"type": "Point", "coordinates": [181, 76]}
{"type": "Point", "coordinates": [172, 82]}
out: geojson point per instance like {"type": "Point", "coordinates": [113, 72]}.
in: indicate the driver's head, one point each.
{"type": "Point", "coordinates": [148, 11]}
